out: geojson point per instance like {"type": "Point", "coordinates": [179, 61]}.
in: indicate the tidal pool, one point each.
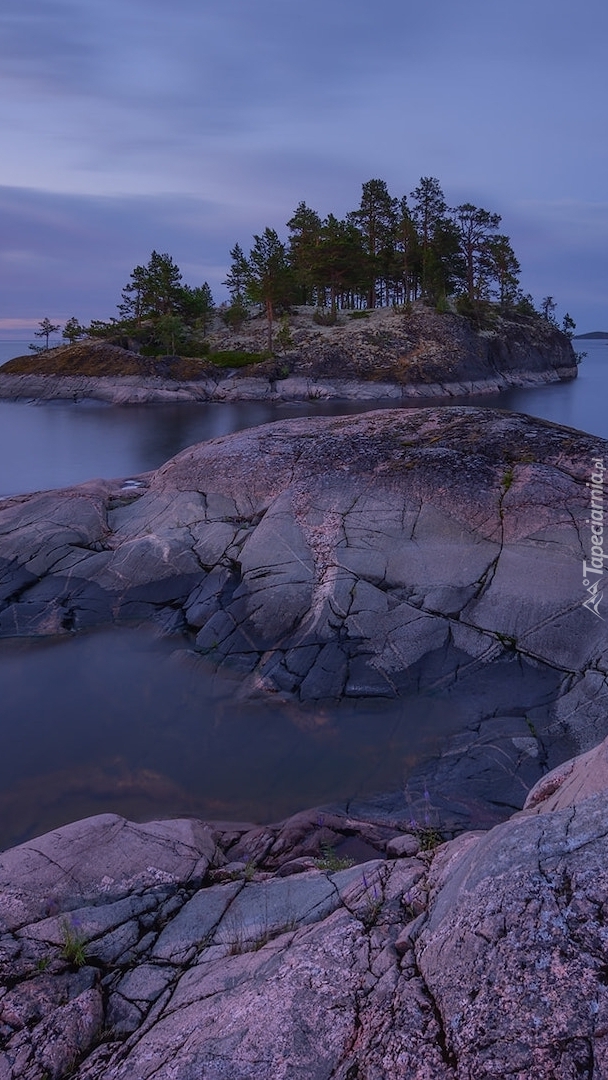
{"type": "Point", "coordinates": [123, 721]}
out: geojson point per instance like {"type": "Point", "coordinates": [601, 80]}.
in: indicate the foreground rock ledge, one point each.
{"type": "Point", "coordinates": [178, 950]}
{"type": "Point", "coordinates": [325, 557]}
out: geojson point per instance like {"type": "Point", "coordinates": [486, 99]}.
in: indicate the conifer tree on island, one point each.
{"type": "Point", "coordinates": [46, 329]}
{"type": "Point", "coordinates": [269, 277]}
{"type": "Point", "coordinates": [72, 330]}
{"type": "Point", "coordinates": [387, 251]}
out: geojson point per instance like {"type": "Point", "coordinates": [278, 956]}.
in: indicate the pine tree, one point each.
{"type": "Point", "coordinates": [504, 268]}
{"type": "Point", "coordinates": [46, 329]}
{"type": "Point", "coordinates": [341, 259]}
{"type": "Point", "coordinates": [428, 213]}
{"type": "Point", "coordinates": [305, 228]}
{"type": "Point", "coordinates": [407, 261]}
{"type": "Point", "coordinates": [376, 219]}
{"type": "Point", "coordinates": [547, 307]}
{"type": "Point", "coordinates": [72, 330]}
{"type": "Point", "coordinates": [153, 290]}
{"type": "Point", "coordinates": [236, 279]}
{"type": "Point", "coordinates": [269, 278]}
{"type": "Point", "coordinates": [196, 306]}
{"type": "Point", "coordinates": [475, 227]}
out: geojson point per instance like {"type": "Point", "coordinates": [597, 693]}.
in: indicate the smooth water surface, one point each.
{"type": "Point", "coordinates": [121, 721]}
{"type": "Point", "coordinates": [54, 444]}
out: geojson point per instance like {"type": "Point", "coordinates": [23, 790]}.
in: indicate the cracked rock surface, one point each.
{"type": "Point", "coordinates": [182, 949]}
{"type": "Point", "coordinates": [324, 557]}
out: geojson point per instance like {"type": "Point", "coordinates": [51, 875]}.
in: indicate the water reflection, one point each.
{"type": "Point", "coordinates": [60, 443]}
{"type": "Point", "coordinates": [125, 722]}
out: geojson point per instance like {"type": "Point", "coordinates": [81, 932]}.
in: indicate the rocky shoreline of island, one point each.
{"type": "Point", "coordinates": [139, 390]}
{"type": "Point", "coordinates": [384, 356]}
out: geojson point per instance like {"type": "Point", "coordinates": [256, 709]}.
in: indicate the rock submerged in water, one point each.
{"type": "Point", "coordinates": [181, 949]}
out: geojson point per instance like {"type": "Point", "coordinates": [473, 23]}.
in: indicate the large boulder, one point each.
{"type": "Point", "coordinates": [389, 554]}
{"type": "Point", "coordinates": [326, 557]}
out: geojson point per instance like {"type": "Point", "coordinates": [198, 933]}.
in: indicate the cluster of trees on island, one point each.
{"type": "Point", "coordinates": [389, 251]}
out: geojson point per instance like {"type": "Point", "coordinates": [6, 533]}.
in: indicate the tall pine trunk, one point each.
{"type": "Point", "coordinates": [269, 317]}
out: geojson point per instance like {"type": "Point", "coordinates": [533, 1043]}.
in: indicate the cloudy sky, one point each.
{"type": "Point", "coordinates": [187, 126]}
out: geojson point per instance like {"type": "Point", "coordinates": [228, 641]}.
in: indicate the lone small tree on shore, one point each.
{"type": "Point", "coordinates": [46, 329]}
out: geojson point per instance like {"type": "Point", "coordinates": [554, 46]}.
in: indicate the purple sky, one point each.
{"type": "Point", "coordinates": [137, 124]}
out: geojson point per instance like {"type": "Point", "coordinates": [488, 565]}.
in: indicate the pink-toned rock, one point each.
{"type": "Point", "coordinates": [103, 856]}
{"type": "Point", "coordinates": [401, 846]}
{"type": "Point", "coordinates": [572, 782]}
{"type": "Point", "coordinates": [434, 529]}
{"type": "Point", "coordinates": [485, 958]}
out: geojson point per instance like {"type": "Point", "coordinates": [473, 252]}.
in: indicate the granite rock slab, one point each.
{"type": "Point", "coordinates": [479, 957]}
{"type": "Point", "coordinates": [325, 557]}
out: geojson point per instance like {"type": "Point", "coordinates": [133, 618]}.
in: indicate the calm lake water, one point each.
{"type": "Point", "coordinates": [123, 721]}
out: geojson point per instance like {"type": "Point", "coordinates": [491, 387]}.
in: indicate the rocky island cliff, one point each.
{"type": "Point", "coordinates": [381, 354]}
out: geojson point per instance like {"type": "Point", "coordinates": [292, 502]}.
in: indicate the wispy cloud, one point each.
{"type": "Point", "coordinates": [192, 125]}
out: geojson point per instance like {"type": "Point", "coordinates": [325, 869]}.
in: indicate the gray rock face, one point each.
{"type": "Point", "coordinates": [140, 390]}
{"type": "Point", "coordinates": [324, 557]}
{"type": "Point", "coordinates": [138, 951]}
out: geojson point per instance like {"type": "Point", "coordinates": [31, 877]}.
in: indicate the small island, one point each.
{"type": "Point", "coordinates": [402, 298]}
{"type": "Point", "coordinates": [377, 355]}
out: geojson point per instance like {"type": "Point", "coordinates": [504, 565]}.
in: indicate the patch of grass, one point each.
{"type": "Point", "coordinates": [328, 860]}
{"type": "Point", "coordinates": [506, 640]}
{"type": "Point", "coordinates": [271, 933]}
{"type": "Point", "coordinates": [73, 944]}
{"type": "Point", "coordinates": [236, 946]}
{"type": "Point", "coordinates": [244, 875]}
{"type": "Point", "coordinates": [429, 838]}
{"type": "Point", "coordinates": [242, 941]}
{"type": "Point", "coordinates": [507, 479]}
{"type": "Point", "coordinates": [531, 727]}
{"type": "Point", "coordinates": [236, 358]}
{"type": "Point", "coordinates": [371, 914]}
{"type": "Point", "coordinates": [325, 318]}
{"type": "Point", "coordinates": [363, 314]}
